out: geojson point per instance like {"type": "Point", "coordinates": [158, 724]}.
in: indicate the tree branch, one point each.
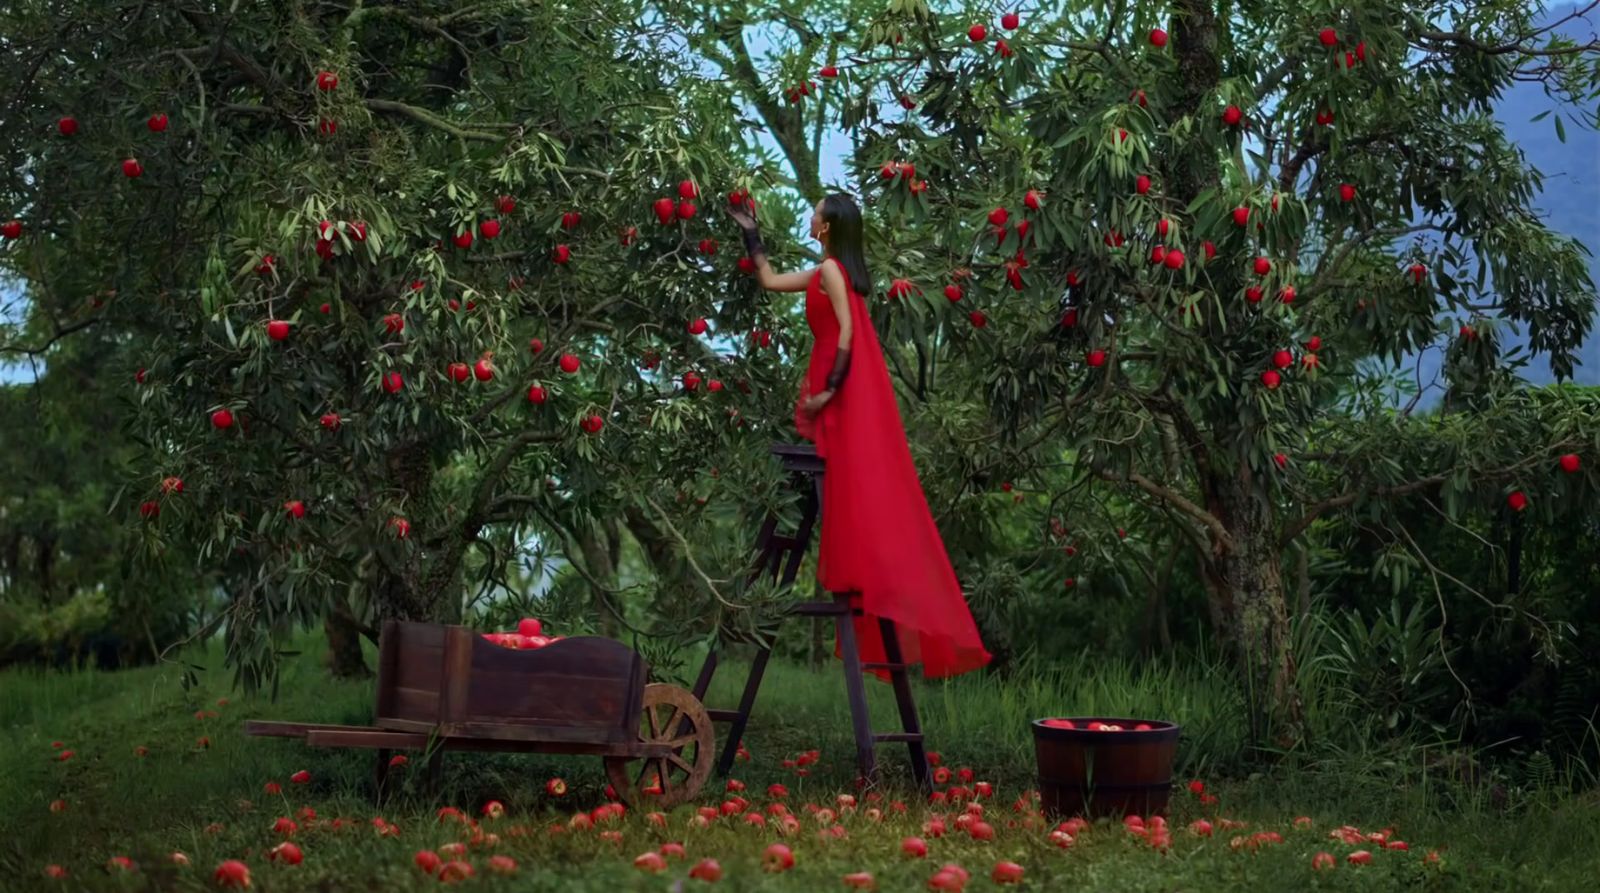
{"type": "Point", "coordinates": [1219, 533]}
{"type": "Point", "coordinates": [432, 120]}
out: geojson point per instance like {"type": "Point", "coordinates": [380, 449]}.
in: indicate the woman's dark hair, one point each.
{"type": "Point", "coordinates": [843, 217]}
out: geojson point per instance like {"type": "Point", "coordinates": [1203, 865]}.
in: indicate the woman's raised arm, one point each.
{"type": "Point", "coordinates": [766, 277]}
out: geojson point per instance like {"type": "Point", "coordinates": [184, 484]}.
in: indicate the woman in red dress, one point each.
{"type": "Point", "coordinates": [879, 542]}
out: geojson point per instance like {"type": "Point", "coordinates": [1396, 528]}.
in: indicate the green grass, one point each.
{"type": "Point", "coordinates": [146, 807]}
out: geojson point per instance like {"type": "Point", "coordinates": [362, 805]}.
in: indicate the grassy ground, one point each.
{"type": "Point", "coordinates": [210, 802]}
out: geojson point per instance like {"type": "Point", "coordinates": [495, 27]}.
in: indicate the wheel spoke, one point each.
{"type": "Point", "coordinates": [681, 743]}
{"type": "Point", "coordinates": [651, 722]}
{"type": "Point", "coordinates": [688, 769]}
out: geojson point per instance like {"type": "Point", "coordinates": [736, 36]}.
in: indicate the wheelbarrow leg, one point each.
{"type": "Point", "coordinates": [435, 768]}
{"type": "Point", "coordinates": [380, 773]}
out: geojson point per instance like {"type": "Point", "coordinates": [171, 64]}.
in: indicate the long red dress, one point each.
{"type": "Point", "coordinates": [878, 537]}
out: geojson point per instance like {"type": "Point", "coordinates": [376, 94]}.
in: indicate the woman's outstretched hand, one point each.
{"type": "Point", "coordinates": [742, 217]}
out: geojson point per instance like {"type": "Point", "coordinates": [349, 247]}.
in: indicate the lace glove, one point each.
{"type": "Point", "coordinates": [841, 368]}
{"type": "Point", "coordinates": [752, 240]}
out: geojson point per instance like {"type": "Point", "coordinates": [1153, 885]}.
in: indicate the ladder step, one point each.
{"type": "Point", "coordinates": [819, 609]}
{"type": "Point", "coordinates": [723, 715]}
{"type": "Point", "coordinates": [892, 667]}
{"type": "Point", "coordinates": [898, 737]}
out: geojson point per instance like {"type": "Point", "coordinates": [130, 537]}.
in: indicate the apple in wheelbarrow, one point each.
{"type": "Point", "coordinates": [529, 626]}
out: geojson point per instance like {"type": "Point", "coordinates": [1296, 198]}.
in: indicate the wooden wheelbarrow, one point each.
{"type": "Point", "coordinates": [444, 688]}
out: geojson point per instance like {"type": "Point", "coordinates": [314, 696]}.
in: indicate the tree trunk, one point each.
{"type": "Point", "coordinates": [345, 660]}
{"type": "Point", "coordinates": [1246, 584]}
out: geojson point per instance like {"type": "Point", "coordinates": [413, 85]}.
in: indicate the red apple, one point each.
{"type": "Point", "coordinates": [1328, 37]}
{"type": "Point", "coordinates": [157, 123]}
{"type": "Point", "coordinates": [999, 216]}
{"type": "Point", "coordinates": [687, 190]}
{"type": "Point", "coordinates": [1163, 226]}
{"type": "Point", "coordinates": [1324, 117]}
{"type": "Point", "coordinates": [483, 370]}
{"type": "Point", "coordinates": [327, 80]}
{"type": "Point", "coordinates": [691, 381]}
{"type": "Point", "coordinates": [427, 861]}
{"type": "Point", "coordinates": [1010, 21]}
{"type": "Point", "coordinates": [860, 880]}
{"type": "Point", "coordinates": [1232, 115]}
{"type": "Point", "coordinates": [1096, 358]}
{"type": "Point", "coordinates": [562, 254]}
{"type": "Point", "coordinates": [979, 320]}
{"type": "Point", "coordinates": [1031, 200]}
{"type": "Point", "coordinates": [505, 204]}
{"type": "Point", "coordinates": [1283, 359]}
{"type": "Point", "coordinates": [953, 292]}
{"type": "Point", "coordinates": [393, 383]}
{"type": "Point", "coordinates": [1263, 266]}
{"type": "Point", "coordinates": [295, 509]}
{"type": "Point", "coordinates": [537, 395]}
{"type": "Point", "coordinates": [707, 870]}
{"type": "Point", "coordinates": [327, 126]}
{"type": "Point", "coordinates": [665, 210]}
{"type": "Point", "coordinates": [1210, 248]}
{"type": "Point", "coordinates": [747, 265]}
{"type": "Point", "coordinates": [1271, 379]}
{"type": "Point", "coordinates": [278, 329]}
{"type": "Point", "coordinates": [1253, 294]}
{"type": "Point", "coordinates": [330, 421]}
{"type": "Point", "coordinates": [1007, 873]}
{"type": "Point", "coordinates": [569, 363]}
{"type": "Point", "coordinates": [1570, 463]}
{"type": "Point", "coordinates": [489, 229]}
{"type": "Point", "coordinates": [1069, 318]}
{"type": "Point", "coordinates": [11, 229]}
{"type": "Point", "coordinates": [1517, 500]}
{"type": "Point", "coordinates": [1158, 38]}
{"type": "Point", "coordinates": [1418, 271]}
{"type": "Point", "coordinates": [828, 71]}
{"type": "Point", "coordinates": [232, 873]}
{"type": "Point", "coordinates": [1158, 254]}
{"type": "Point", "coordinates": [977, 33]}
{"type": "Point", "coordinates": [1241, 216]}
{"type": "Point", "coordinates": [776, 857]}
{"type": "Point", "coordinates": [686, 210]}
{"type": "Point", "coordinates": [1315, 343]}
{"type": "Point", "coordinates": [222, 419]}
{"type": "Point", "coordinates": [132, 168]}
{"type": "Point", "coordinates": [1287, 295]}
{"type": "Point", "coordinates": [697, 326]}
{"type": "Point", "coordinates": [1141, 184]}
{"type": "Point", "coordinates": [463, 239]}
{"type": "Point", "coordinates": [139, 376]}
{"type": "Point", "coordinates": [1140, 98]}
{"type": "Point", "coordinates": [148, 510]}
{"type": "Point", "coordinates": [286, 853]}
{"type": "Point", "coordinates": [1347, 192]}
{"type": "Point", "coordinates": [1280, 460]}
{"type": "Point", "coordinates": [627, 236]}
{"type": "Point", "coordinates": [592, 424]}
{"type": "Point", "coordinates": [401, 528]}
{"type": "Point", "coordinates": [1174, 259]}
{"type": "Point", "coordinates": [67, 126]}
{"type": "Point", "coordinates": [458, 372]}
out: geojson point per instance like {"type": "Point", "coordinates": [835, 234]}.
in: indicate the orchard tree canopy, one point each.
{"type": "Point", "coordinates": [1165, 252]}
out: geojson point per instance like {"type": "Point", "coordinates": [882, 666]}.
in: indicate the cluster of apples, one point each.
{"type": "Point", "coordinates": [979, 33]}
{"type": "Point", "coordinates": [1094, 725]}
{"type": "Point", "coordinates": [528, 637]}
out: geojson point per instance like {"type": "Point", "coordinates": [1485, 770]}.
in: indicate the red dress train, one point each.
{"type": "Point", "coordinates": [878, 537]}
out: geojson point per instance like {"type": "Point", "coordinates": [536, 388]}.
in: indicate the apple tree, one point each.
{"type": "Point", "coordinates": [396, 291]}
{"type": "Point", "coordinates": [1181, 248]}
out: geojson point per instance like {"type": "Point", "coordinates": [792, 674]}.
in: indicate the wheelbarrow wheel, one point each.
{"type": "Point", "coordinates": [674, 717]}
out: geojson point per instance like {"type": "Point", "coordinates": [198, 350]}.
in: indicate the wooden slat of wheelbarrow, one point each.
{"type": "Point", "coordinates": [348, 736]}
{"type": "Point", "coordinates": [274, 729]}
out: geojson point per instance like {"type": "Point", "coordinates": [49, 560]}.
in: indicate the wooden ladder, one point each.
{"type": "Point", "coordinates": [780, 556]}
